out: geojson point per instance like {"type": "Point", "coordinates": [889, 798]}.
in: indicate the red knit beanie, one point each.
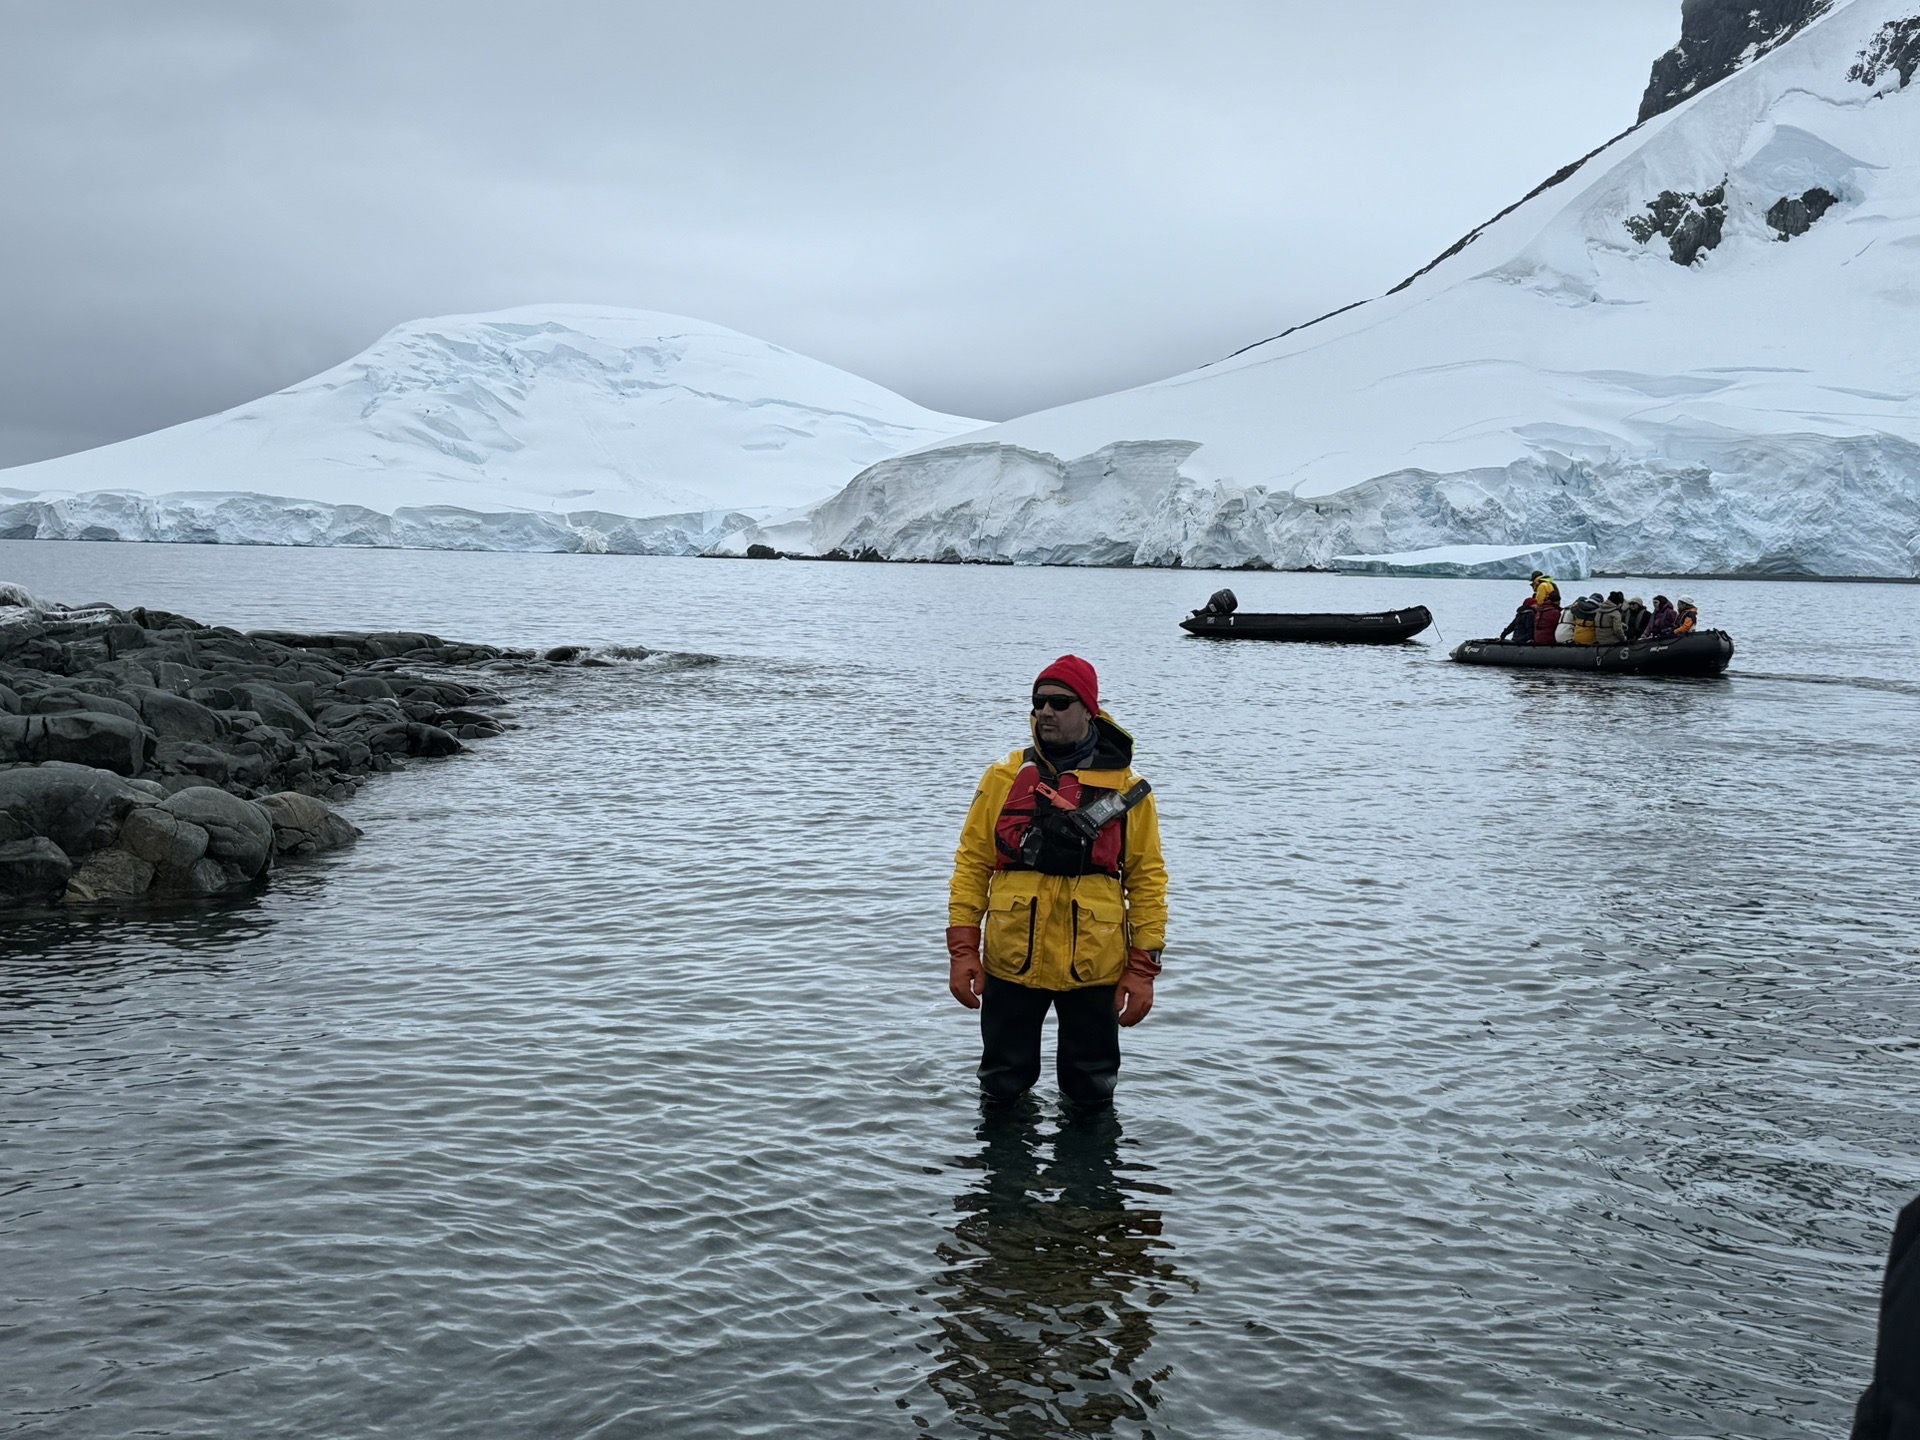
{"type": "Point", "coordinates": [1077, 675]}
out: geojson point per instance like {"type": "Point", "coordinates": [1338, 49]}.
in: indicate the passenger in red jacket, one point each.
{"type": "Point", "coordinates": [1546, 618]}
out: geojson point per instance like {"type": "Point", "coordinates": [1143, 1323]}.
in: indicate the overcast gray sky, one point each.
{"type": "Point", "coordinates": [989, 205]}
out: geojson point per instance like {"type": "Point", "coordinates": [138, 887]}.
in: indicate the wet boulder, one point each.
{"type": "Point", "coordinates": [79, 737]}
{"type": "Point", "coordinates": [239, 832]}
{"type": "Point", "coordinates": [175, 717]}
{"type": "Point", "coordinates": [123, 635]}
{"type": "Point", "coordinates": [170, 845]}
{"type": "Point", "coordinates": [9, 701]}
{"type": "Point", "coordinates": [178, 758]}
{"type": "Point", "coordinates": [32, 872]}
{"type": "Point", "coordinates": [275, 707]}
{"type": "Point", "coordinates": [303, 825]}
{"type": "Point", "coordinates": [391, 644]}
{"type": "Point", "coordinates": [78, 807]}
{"type": "Point", "coordinates": [343, 715]}
{"type": "Point", "coordinates": [431, 741]}
{"type": "Point", "coordinates": [112, 875]}
{"type": "Point", "coordinates": [60, 701]}
{"type": "Point", "coordinates": [366, 687]}
{"type": "Point", "coordinates": [175, 676]}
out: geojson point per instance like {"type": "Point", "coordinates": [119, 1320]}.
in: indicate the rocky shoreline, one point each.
{"type": "Point", "coordinates": [144, 755]}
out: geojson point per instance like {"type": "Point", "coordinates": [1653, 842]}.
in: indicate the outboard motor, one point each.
{"type": "Point", "coordinates": [1221, 602]}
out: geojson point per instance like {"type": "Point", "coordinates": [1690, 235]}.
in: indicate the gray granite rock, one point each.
{"type": "Point", "coordinates": [430, 741]}
{"type": "Point", "coordinates": [162, 839]}
{"type": "Point", "coordinates": [174, 717]}
{"type": "Point", "coordinates": [60, 700]}
{"type": "Point", "coordinates": [239, 832]}
{"type": "Point", "coordinates": [79, 737]}
{"type": "Point", "coordinates": [112, 875]}
{"type": "Point", "coordinates": [275, 707]}
{"type": "Point", "coordinates": [303, 825]}
{"type": "Point", "coordinates": [32, 872]}
{"type": "Point", "coordinates": [135, 745]}
{"type": "Point", "coordinates": [194, 763]}
{"type": "Point", "coordinates": [77, 807]}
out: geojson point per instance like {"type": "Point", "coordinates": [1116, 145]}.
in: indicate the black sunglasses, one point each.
{"type": "Point", "coordinates": [1054, 702]}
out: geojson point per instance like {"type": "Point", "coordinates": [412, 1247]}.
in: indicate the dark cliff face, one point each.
{"type": "Point", "coordinates": [1717, 37]}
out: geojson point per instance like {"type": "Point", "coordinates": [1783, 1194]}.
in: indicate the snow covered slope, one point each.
{"type": "Point", "coordinates": [540, 428]}
{"type": "Point", "coordinates": [1694, 352]}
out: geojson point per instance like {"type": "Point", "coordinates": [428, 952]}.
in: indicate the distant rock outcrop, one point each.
{"type": "Point", "coordinates": [1717, 37]}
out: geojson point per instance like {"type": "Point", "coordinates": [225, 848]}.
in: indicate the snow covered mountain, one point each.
{"type": "Point", "coordinates": [1693, 351]}
{"type": "Point", "coordinates": [565, 427]}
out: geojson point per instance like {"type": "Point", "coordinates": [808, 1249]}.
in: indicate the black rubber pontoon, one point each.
{"type": "Point", "coordinates": [1704, 652]}
{"type": "Point", "coordinates": [1386, 627]}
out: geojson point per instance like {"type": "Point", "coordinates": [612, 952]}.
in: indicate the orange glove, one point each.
{"type": "Point", "coordinates": [1134, 997]}
{"type": "Point", "coordinates": [966, 978]}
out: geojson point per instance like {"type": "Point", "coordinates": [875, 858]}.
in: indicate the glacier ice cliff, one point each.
{"type": "Point", "coordinates": [227, 519]}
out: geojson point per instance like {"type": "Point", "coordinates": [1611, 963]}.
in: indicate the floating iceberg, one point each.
{"type": "Point", "coordinates": [1573, 561]}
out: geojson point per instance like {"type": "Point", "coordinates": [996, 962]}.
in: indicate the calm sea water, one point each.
{"type": "Point", "coordinates": [1536, 1055]}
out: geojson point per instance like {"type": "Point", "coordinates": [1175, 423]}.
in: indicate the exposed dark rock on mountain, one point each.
{"type": "Point", "coordinates": [1717, 37]}
{"type": "Point", "coordinates": [1790, 216]}
{"type": "Point", "coordinates": [1896, 47]}
{"type": "Point", "coordinates": [1692, 224]}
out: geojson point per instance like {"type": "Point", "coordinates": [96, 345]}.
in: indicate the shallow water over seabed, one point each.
{"type": "Point", "coordinates": [1536, 1053]}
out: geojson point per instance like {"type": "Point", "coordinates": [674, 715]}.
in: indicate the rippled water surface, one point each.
{"type": "Point", "coordinates": [1536, 1054]}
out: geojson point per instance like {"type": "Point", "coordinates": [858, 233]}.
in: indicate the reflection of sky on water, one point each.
{"type": "Point", "coordinates": [1050, 1281]}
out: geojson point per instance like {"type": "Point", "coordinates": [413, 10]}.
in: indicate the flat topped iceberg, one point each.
{"type": "Point", "coordinates": [549, 412]}
{"type": "Point", "coordinates": [1571, 561]}
{"type": "Point", "coordinates": [1691, 351]}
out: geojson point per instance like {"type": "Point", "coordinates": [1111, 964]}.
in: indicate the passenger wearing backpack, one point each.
{"type": "Point", "coordinates": [1610, 622]}
{"type": "Point", "coordinates": [1581, 618]}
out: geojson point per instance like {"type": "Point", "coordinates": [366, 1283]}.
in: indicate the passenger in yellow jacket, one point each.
{"type": "Point", "coordinates": [1059, 896]}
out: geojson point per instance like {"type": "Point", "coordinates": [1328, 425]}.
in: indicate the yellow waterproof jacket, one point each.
{"type": "Point", "coordinates": [1543, 588]}
{"type": "Point", "coordinates": [1062, 932]}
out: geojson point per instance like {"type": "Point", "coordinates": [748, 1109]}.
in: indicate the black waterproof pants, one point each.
{"type": "Point", "coordinates": [1087, 1061]}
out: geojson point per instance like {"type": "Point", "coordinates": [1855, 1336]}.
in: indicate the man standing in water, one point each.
{"type": "Point", "coordinates": [1059, 873]}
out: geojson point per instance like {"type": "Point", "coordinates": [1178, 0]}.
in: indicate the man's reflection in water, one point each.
{"type": "Point", "coordinates": [1050, 1282]}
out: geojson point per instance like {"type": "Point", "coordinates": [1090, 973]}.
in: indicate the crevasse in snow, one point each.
{"type": "Point", "coordinates": [554, 427]}
{"type": "Point", "coordinates": [1635, 358]}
